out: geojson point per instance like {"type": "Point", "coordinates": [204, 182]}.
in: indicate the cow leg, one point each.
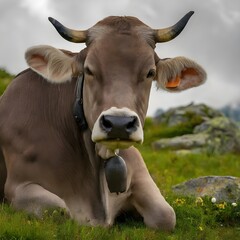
{"type": "Point", "coordinates": [150, 203]}
{"type": "Point", "coordinates": [146, 197]}
{"type": "Point", "coordinates": [33, 198]}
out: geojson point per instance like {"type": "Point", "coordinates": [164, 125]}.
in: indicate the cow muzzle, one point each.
{"type": "Point", "coordinates": [117, 128]}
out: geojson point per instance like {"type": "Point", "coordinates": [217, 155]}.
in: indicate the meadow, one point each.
{"type": "Point", "coordinates": [197, 218]}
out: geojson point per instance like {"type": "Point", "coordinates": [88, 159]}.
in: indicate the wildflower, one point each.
{"type": "Point", "coordinates": [213, 200]}
{"type": "Point", "coordinates": [221, 205]}
{"type": "Point", "coordinates": [200, 228]}
{"type": "Point", "coordinates": [234, 204]}
{"type": "Point", "coordinates": [199, 201]}
{"type": "Point", "coordinates": [179, 201]}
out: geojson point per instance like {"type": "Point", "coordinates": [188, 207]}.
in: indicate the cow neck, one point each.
{"type": "Point", "coordinates": [78, 111]}
{"type": "Point", "coordinates": [115, 168]}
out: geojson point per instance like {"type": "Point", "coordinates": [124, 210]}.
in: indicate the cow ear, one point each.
{"type": "Point", "coordinates": [178, 74]}
{"type": "Point", "coordinates": [53, 64]}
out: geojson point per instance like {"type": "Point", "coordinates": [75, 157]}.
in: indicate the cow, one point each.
{"type": "Point", "coordinates": [69, 124]}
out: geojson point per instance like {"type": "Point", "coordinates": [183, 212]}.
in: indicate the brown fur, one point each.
{"type": "Point", "coordinates": [121, 25]}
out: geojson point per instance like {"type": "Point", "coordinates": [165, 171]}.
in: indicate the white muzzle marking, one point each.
{"type": "Point", "coordinates": [101, 135]}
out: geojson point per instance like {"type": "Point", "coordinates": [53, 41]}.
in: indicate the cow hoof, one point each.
{"type": "Point", "coordinates": [116, 174]}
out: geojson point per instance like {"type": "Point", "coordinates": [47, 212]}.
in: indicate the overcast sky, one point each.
{"type": "Point", "coordinates": [211, 38]}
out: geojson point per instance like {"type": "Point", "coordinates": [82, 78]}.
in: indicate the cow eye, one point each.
{"type": "Point", "coordinates": [88, 71]}
{"type": "Point", "coordinates": [151, 73]}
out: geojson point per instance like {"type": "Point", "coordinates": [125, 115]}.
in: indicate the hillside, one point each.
{"type": "Point", "coordinates": [5, 79]}
{"type": "Point", "coordinates": [231, 111]}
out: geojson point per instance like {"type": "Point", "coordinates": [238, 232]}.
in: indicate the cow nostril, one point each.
{"type": "Point", "coordinates": [132, 125]}
{"type": "Point", "coordinates": [106, 124]}
{"type": "Point", "coordinates": [118, 127]}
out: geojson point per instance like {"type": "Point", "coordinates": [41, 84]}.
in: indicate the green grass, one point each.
{"type": "Point", "coordinates": [153, 131]}
{"type": "Point", "coordinates": [196, 219]}
{"type": "Point", "coordinates": [5, 79]}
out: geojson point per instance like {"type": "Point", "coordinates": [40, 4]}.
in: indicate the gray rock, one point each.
{"type": "Point", "coordinates": [188, 141]}
{"type": "Point", "coordinates": [179, 115]}
{"type": "Point", "coordinates": [223, 188]}
{"type": "Point", "coordinates": [222, 124]}
{"type": "Point", "coordinates": [223, 135]}
{"type": "Point", "coordinates": [213, 135]}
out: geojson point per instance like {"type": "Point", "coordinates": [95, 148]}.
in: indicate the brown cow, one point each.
{"type": "Point", "coordinates": [51, 160]}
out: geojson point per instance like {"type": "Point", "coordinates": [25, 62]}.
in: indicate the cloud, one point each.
{"type": "Point", "coordinates": [33, 8]}
{"type": "Point", "coordinates": [211, 37]}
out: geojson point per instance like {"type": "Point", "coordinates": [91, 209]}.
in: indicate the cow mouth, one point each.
{"type": "Point", "coordinates": [117, 143]}
{"type": "Point", "coordinates": [107, 148]}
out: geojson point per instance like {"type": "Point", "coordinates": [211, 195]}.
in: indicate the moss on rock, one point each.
{"type": "Point", "coordinates": [203, 128]}
{"type": "Point", "coordinates": [222, 188]}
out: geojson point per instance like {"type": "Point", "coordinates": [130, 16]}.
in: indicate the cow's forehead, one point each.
{"type": "Point", "coordinates": [121, 25]}
{"type": "Point", "coordinates": [119, 51]}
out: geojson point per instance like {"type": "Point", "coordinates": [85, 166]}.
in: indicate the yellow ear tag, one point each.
{"type": "Point", "coordinates": [173, 83]}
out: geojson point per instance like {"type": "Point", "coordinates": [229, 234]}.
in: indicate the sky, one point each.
{"type": "Point", "coordinates": [211, 38]}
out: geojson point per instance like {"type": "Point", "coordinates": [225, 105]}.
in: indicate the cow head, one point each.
{"type": "Point", "coordinates": [119, 65]}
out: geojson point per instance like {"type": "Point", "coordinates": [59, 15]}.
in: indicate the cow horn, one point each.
{"type": "Point", "coordinates": [69, 34]}
{"type": "Point", "coordinates": [167, 34]}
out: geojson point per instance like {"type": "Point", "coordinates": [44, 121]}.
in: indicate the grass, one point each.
{"type": "Point", "coordinates": [5, 79]}
{"type": "Point", "coordinates": [153, 131]}
{"type": "Point", "coordinates": [203, 220]}
{"type": "Point", "coordinates": [197, 219]}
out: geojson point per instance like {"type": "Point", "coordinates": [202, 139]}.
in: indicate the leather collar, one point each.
{"type": "Point", "coordinates": [78, 111]}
